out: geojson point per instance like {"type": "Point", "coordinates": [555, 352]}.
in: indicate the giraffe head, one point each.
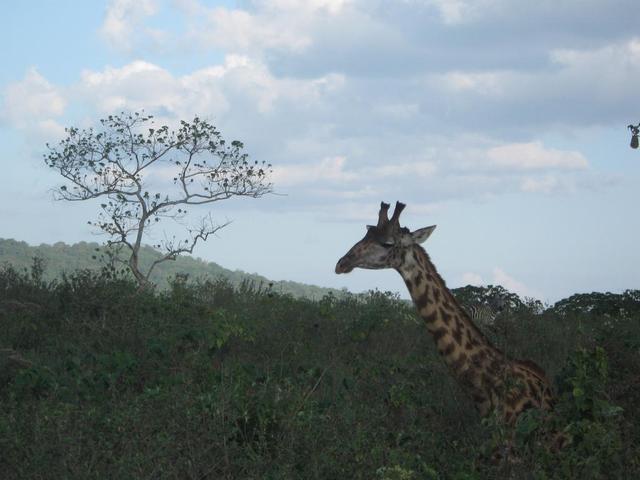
{"type": "Point", "coordinates": [384, 244]}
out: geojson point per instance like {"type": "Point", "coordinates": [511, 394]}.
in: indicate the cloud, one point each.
{"type": "Point", "coordinates": [356, 210]}
{"type": "Point", "coordinates": [33, 104]}
{"type": "Point", "coordinates": [328, 148]}
{"type": "Point", "coordinates": [417, 169]}
{"type": "Point", "coordinates": [444, 62]}
{"type": "Point", "coordinates": [488, 156]}
{"type": "Point", "coordinates": [546, 184]}
{"type": "Point", "coordinates": [533, 156]}
{"type": "Point", "coordinates": [334, 170]}
{"type": "Point", "coordinates": [484, 83]}
{"type": "Point", "coordinates": [263, 25]}
{"type": "Point", "coordinates": [134, 86]}
{"type": "Point", "coordinates": [333, 7]}
{"type": "Point", "coordinates": [123, 22]}
{"type": "Point", "coordinates": [433, 131]}
{"type": "Point", "coordinates": [526, 17]}
{"type": "Point", "coordinates": [573, 90]}
{"type": "Point", "coordinates": [328, 169]}
{"type": "Point", "coordinates": [421, 169]}
{"type": "Point", "coordinates": [342, 193]}
{"type": "Point", "coordinates": [32, 97]}
{"type": "Point", "coordinates": [240, 31]}
{"type": "Point", "coordinates": [239, 81]}
{"type": "Point", "coordinates": [454, 12]}
{"type": "Point", "coordinates": [501, 277]}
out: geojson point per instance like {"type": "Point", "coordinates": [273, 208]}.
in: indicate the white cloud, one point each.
{"type": "Point", "coordinates": [605, 77]}
{"type": "Point", "coordinates": [271, 24]}
{"type": "Point", "coordinates": [328, 169]}
{"type": "Point", "coordinates": [352, 211]}
{"type": "Point", "coordinates": [333, 169]}
{"type": "Point", "coordinates": [418, 169]}
{"type": "Point", "coordinates": [571, 89]}
{"type": "Point", "coordinates": [345, 194]}
{"type": "Point", "coordinates": [333, 7]}
{"type": "Point", "coordinates": [137, 85]}
{"type": "Point", "coordinates": [533, 155]}
{"type": "Point", "coordinates": [500, 277]}
{"type": "Point", "coordinates": [306, 114]}
{"type": "Point", "coordinates": [625, 53]}
{"type": "Point", "coordinates": [241, 31]}
{"type": "Point", "coordinates": [33, 104]}
{"type": "Point", "coordinates": [240, 82]}
{"type": "Point", "coordinates": [32, 97]}
{"type": "Point", "coordinates": [531, 167]}
{"type": "Point", "coordinates": [123, 22]}
{"type": "Point", "coordinates": [546, 184]}
{"type": "Point", "coordinates": [484, 83]}
{"type": "Point", "coordinates": [510, 82]}
{"type": "Point", "coordinates": [419, 209]}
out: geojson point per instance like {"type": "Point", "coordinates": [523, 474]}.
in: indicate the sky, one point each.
{"type": "Point", "coordinates": [503, 122]}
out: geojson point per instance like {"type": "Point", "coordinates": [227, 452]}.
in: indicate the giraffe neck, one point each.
{"type": "Point", "coordinates": [473, 360]}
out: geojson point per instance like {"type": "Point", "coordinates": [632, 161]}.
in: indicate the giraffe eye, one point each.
{"type": "Point", "coordinates": [387, 244]}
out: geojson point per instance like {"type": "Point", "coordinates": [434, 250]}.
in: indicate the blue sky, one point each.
{"type": "Point", "coordinates": [501, 121]}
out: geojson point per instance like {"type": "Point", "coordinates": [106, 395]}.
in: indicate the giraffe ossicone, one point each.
{"type": "Point", "coordinates": [492, 379]}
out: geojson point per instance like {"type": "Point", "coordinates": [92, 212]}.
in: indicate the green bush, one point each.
{"type": "Point", "coordinates": [208, 380]}
{"type": "Point", "coordinates": [581, 438]}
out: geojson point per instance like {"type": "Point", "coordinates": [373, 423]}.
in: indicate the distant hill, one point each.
{"type": "Point", "coordinates": [61, 257]}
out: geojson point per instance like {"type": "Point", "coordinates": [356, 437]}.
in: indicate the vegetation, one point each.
{"type": "Point", "coordinates": [208, 380]}
{"type": "Point", "coordinates": [61, 258]}
{"type": "Point", "coordinates": [146, 173]}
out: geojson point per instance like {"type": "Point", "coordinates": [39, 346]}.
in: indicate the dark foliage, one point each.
{"type": "Point", "coordinates": [210, 380]}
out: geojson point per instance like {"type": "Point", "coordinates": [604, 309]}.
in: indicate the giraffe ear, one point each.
{"type": "Point", "coordinates": [420, 235]}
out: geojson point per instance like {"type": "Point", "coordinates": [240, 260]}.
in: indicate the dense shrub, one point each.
{"type": "Point", "coordinates": [206, 380]}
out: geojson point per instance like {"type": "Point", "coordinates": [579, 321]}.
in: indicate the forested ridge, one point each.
{"type": "Point", "coordinates": [61, 257]}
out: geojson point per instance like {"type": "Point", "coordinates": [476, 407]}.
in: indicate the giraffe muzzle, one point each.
{"type": "Point", "coordinates": [344, 265]}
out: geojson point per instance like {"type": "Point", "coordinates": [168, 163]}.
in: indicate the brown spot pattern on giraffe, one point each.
{"type": "Point", "coordinates": [439, 333]}
{"type": "Point", "coordinates": [430, 318]}
{"type": "Point", "coordinates": [460, 362]}
{"type": "Point", "coordinates": [446, 318]}
{"type": "Point", "coordinates": [423, 300]}
{"type": "Point", "coordinates": [436, 295]}
{"type": "Point", "coordinates": [448, 349]}
{"type": "Point", "coordinates": [458, 331]}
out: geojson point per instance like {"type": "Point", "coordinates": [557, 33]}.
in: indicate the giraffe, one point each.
{"type": "Point", "coordinates": [494, 381]}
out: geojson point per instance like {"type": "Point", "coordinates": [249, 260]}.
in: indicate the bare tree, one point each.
{"type": "Point", "coordinates": [144, 173]}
